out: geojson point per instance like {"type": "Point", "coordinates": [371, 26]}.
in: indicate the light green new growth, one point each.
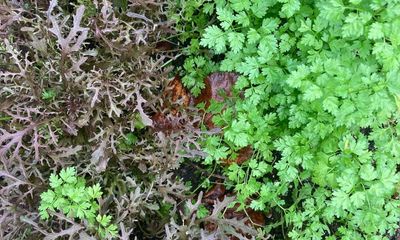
{"type": "Point", "coordinates": [321, 86]}
{"type": "Point", "coordinates": [69, 195]}
{"type": "Point", "coordinates": [48, 95]}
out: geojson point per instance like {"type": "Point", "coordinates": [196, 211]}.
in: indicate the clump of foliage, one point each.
{"type": "Point", "coordinates": [80, 81]}
{"type": "Point", "coordinates": [316, 105]}
{"type": "Point", "coordinates": [48, 95]}
{"type": "Point", "coordinates": [195, 215]}
{"type": "Point", "coordinates": [70, 195]}
{"type": "Point", "coordinates": [319, 104]}
{"type": "Point", "coordinates": [191, 17]}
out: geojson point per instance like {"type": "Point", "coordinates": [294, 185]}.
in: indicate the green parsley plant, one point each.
{"type": "Point", "coordinates": [69, 195]}
{"type": "Point", "coordinates": [320, 107]}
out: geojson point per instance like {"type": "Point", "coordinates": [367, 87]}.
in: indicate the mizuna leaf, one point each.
{"type": "Point", "coordinates": [146, 120]}
{"type": "Point", "coordinates": [77, 34]}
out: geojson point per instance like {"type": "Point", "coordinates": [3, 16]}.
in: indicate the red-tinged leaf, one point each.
{"type": "Point", "coordinates": [13, 141]}
{"type": "Point", "coordinates": [243, 155]}
{"type": "Point", "coordinates": [164, 46]}
{"type": "Point", "coordinates": [77, 34]}
{"type": "Point", "coordinates": [215, 83]}
{"type": "Point", "coordinates": [232, 212]}
{"type": "Point", "coordinates": [176, 91]}
{"type": "Point", "coordinates": [166, 123]}
{"type": "Point", "coordinates": [100, 157]}
{"type": "Point", "coordinates": [208, 121]}
{"type": "Point", "coordinates": [210, 226]}
{"type": "Point", "coordinates": [8, 17]}
{"type": "Point", "coordinates": [216, 192]}
{"type": "Point", "coordinates": [145, 119]}
{"type": "Point", "coordinates": [258, 218]}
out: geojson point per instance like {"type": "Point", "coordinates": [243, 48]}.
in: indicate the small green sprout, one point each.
{"type": "Point", "coordinates": [202, 212]}
{"type": "Point", "coordinates": [127, 142]}
{"type": "Point", "coordinates": [48, 95]}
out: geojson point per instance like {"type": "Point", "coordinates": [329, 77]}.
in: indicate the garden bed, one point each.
{"type": "Point", "coordinates": [199, 119]}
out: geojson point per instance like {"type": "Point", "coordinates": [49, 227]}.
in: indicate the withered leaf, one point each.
{"type": "Point", "coordinates": [216, 192]}
{"type": "Point", "coordinates": [214, 84]}
{"type": "Point", "coordinates": [164, 123]}
{"type": "Point", "coordinates": [243, 155]}
{"type": "Point", "coordinates": [174, 93]}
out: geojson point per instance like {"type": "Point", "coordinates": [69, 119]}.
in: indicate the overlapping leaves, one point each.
{"type": "Point", "coordinates": [326, 70]}
{"type": "Point", "coordinates": [69, 195]}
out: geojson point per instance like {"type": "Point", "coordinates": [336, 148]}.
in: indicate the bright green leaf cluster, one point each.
{"type": "Point", "coordinates": [127, 142]}
{"type": "Point", "coordinates": [320, 81]}
{"type": "Point", "coordinates": [197, 68]}
{"type": "Point", "coordinates": [48, 95]}
{"type": "Point", "coordinates": [69, 195]}
{"type": "Point", "coordinates": [202, 212]}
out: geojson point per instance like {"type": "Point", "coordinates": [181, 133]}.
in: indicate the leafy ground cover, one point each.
{"type": "Point", "coordinates": [79, 84]}
{"type": "Point", "coordinates": [316, 100]}
{"type": "Point", "coordinates": [199, 119]}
